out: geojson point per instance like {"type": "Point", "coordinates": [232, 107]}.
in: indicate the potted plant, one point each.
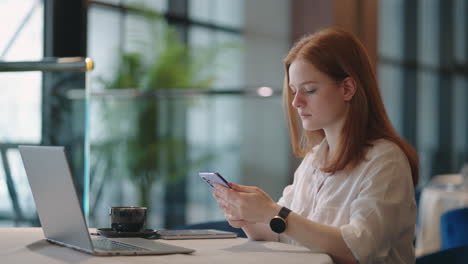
{"type": "Point", "coordinates": [153, 152]}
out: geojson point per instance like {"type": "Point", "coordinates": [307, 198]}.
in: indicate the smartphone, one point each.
{"type": "Point", "coordinates": [213, 177]}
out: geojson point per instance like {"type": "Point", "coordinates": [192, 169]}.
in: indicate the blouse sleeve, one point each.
{"type": "Point", "coordinates": [287, 197]}
{"type": "Point", "coordinates": [383, 209]}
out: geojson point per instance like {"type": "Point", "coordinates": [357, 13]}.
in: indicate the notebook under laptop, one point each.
{"type": "Point", "coordinates": [60, 211]}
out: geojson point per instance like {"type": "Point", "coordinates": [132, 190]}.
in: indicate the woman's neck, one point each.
{"type": "Point", "coordinates": [333, 137]}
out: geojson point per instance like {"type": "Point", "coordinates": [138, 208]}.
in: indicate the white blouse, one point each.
{"type": "Point", "coordinates": [373, 204]}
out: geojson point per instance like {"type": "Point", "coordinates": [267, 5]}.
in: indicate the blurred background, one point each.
{"type": "Point", "coordinates": [181, 86]}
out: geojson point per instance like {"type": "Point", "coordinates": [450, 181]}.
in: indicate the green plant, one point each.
{"type": "Point", "coordinates": [152, 152]}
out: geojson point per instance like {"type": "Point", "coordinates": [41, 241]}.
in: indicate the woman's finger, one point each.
{"type": "Point", "coordinates": [244, 188]}
{"type": "Point", "coordinates": [218, 198]}
{"type": "Point", "coordinates": [250, 189]}
{"type": "Point", "coordinates": [226, 194]}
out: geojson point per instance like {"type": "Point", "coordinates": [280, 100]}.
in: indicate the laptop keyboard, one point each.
{"type": "Point", "coordinates": [110, 245]}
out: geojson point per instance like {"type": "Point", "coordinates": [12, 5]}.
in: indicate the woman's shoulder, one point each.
{"type": "Point", "coordinates": [386, 164]}
{"type": "Point", "coordinates": [384, 151]}
{"type": "Point", "coordinates": [384, 148]}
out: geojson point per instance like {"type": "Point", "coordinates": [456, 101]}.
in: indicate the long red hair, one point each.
{"type": "Point", "coordinates": [339, 54]}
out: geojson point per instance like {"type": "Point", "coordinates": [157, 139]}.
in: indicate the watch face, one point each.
{"type": "Point", "coordinates": [277, 224]}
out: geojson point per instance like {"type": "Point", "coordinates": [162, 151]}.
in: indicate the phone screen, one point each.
{"type": "Point", "coordinates": [212, 178]}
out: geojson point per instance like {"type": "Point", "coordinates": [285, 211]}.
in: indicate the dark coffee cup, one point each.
{"type": "Point", "coordinates": [128, 219]}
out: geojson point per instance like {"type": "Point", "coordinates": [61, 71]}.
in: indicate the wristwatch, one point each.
{"type": "Point", "coordinates": [278, 223]}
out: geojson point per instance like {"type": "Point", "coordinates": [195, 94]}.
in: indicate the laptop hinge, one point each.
{"type": "Point", "coordinates": [69, 246]}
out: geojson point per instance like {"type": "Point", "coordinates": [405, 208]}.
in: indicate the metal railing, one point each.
{"type": "Point", "coordinates": [74, 64]}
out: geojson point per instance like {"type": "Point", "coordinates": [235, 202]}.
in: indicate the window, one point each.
{"type": "Point", "coordinates": [422, 73]}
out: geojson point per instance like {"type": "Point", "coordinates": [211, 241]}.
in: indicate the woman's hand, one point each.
{"type": "Point", "coordinates": [244, 205]}
{"type": "Point", "coordinates": [237, 223]}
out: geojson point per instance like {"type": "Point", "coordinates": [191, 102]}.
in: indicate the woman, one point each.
{"type": "Point", "coordinates": [353, 194]}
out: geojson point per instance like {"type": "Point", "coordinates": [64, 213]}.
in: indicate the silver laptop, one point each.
{"type": "Point", "coordinates": [60, 211]}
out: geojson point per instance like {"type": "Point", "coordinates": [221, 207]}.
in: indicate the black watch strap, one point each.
{"type": "Point", "coordinates": [284, 212]}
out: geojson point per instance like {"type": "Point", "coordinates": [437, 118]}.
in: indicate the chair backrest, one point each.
{"type": "Point", "coordinates": [447, 179]}
{"type": "Point", "coordinates": [457, 255]}
{"type": "Point", "coordinates": [454, 228]}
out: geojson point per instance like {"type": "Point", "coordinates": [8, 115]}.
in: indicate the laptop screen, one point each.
{"type": "Point", "coordinates": [54, 193]}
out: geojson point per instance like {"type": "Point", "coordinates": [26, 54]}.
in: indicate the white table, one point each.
{"type": "Point", "coordinates": [27, 245]}
{"type": "Point", "coordinates": [444, 193]}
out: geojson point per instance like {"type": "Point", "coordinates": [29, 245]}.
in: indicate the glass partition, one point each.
{"type": "Point", "coordinates": [131, 148]}
{"type": "Point", "coordinates": [146, 149]}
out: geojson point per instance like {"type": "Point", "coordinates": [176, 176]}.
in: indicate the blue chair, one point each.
{"type": "Point", "coordinates": [454, 228]}
{"type": "Point", "coordinates": [219, 225]}
{"type": "Point", "coordinates": [457, 255]}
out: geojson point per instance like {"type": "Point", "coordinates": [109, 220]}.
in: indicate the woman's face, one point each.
{"type": "Point", "coordinates": [318, 99]}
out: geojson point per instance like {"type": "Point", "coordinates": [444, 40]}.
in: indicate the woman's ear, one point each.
{"type": "Point", "coordinates": [349, 88]}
